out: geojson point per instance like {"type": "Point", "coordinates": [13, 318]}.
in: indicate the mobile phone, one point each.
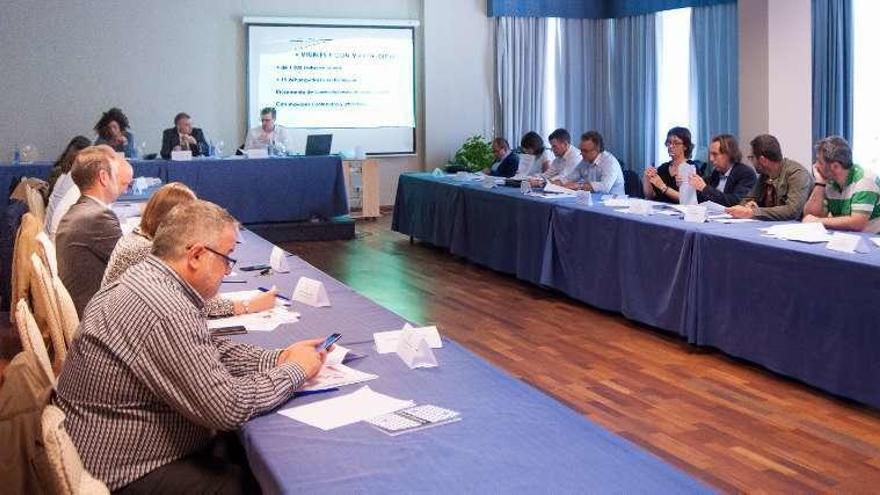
{"type": "Point", "coordinates": [233, 330]}
{"type": "Point", "coordinates": [330, 340]}
{"type": "Point", "coordinates": [253, 268]}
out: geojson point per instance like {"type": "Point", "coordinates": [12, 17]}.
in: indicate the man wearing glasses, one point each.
{"type": "Point", "coordinates": [782, 188]}
{"type": "Point", "coordinates": [146, 388]}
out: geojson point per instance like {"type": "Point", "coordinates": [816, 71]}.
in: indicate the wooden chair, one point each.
{"type": "Point", "coordinates": [31, 339]}
{"type": "Point", "coordinates": [24, 246]}
{"type": "Point", "coordinates": [36, 204]}
{"type": "Point", "coordinates": [46, 311]}
{"type": "Point", "coordinates": [67, 310]}
{"type": "Point", "coordinates": [68, 474]}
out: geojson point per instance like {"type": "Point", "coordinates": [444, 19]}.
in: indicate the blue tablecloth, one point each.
{"type": "Point", "coordinates": [512, 438]}
{"type": "Point", "coordinates": [800, 310]}
{"type": "Point", "coordinates": [254, 191]}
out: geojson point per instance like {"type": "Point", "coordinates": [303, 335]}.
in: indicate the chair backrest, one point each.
{"type": "Point", "coordinates": [632, 185]}
{"type": "Point", "coordinates": [69, 475]}
{"type": "Point", "coordinates": [45, 249]}
{"type": "Point", "coordinates": [46, 310]}
{"type": "Point", "coordinates": [31, 339]}
{"type": "Point", "coordinates": [69, 318]}
{"type": "Point", "coordinates": [36, 204]}
{"type": "Point", "coordinates": [25, 242]}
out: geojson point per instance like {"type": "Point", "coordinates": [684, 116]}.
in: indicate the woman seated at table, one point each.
{"type": "Point", "coordinates": [661, 183]}
{"type": "Point", "coordinates": [65, 162]}
{"type": "Point", "coordinates": [113, 131]}
{"type": "Point", "coordinates": [535, 158]}
{"type": "Point", "coordinates": [134, 247]}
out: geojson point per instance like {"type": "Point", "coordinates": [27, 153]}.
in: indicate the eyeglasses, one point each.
{"type": "Point", "coordinates": [230, 262]}
{"type": "Point", "coordinates": [674, 143]}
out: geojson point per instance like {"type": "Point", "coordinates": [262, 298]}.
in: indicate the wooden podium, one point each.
{"type": "Point", "coordinates": [362, 185]}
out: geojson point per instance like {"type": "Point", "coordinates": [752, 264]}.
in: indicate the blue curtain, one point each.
{"type": "Point", "coordinates": [832, 69]}
{"type": "Point", "coordinates": [606, 77]}
{"type": "Point", "coordinates": [714, 72]}
{"type": "Point", "coordinates": [589, 9]}
{"type": "Point", "coordinates": [520, 55]}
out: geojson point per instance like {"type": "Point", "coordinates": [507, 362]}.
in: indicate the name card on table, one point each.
{"type": "Point", "coordinates": [848, 243]}
{"type": "Point", "coordinates": [257, 153]}
{"type": "Point", "coordinates": [278, 260]}
{"type": "Point", "coordinates": [695, 213]}
{"type": "Point", "coordinates": [413, 349]}
{"type": "Point", "coordinates": [311, 292]}
{"type": "Point", "coordinates": [181, 156]}
{"type": "Point", "coordinates": [386, 342]}
{"type": "Point", "coordinates": [438, 172]}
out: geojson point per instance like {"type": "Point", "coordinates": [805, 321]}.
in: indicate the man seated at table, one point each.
{"type": "Point", "coordinates": [506, 163]}
{"type": "Point", "coordinates": [183, 137]}
{"type": "Point", "coordinates": [567, 156]}
{"type": "Point", "coordinates": [782, 188]}
{"type": "Point", "coordinates": [845, 196]}
{"type": "Point", "coordinates": [730, 180]}
{"type": "Point", "coordinates": [89, 230]}
{"type": "Point", "coordinates": [267, 133]}
{"type": "Point", "coordinates": [599, 171]}
{"type": "Point", "coordinates": [145, 386]}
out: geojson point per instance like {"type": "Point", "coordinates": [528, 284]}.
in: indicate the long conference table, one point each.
{"type": "Point", "coordinates": [255, 191]}
{"type": "Point", "coordinates": [512, 437]}
{"type": "Point", "coordinates": [798, 309]}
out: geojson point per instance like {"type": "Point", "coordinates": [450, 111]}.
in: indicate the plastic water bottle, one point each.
{"type": "Point", "coordinates": [687, 195]}
{"type": "Point", "coordinates": [16, 155]}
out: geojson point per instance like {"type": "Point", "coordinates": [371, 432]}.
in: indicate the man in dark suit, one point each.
{"type": "Point", "coordinates": [183, 136]}
{"type": "Point", "coordinates": [506, 163]}
{"type": "Point", "coordinates": [731, 180]}
{"type": "Point", "coordinates": [89, 230]}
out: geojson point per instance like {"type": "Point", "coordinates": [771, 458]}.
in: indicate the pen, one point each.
{"type": "Point", "coordinates": [279, 296]}
{"type": "Point", "coordinates": [235, 281]}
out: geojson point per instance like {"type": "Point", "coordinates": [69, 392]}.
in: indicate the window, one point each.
{"type": "Point", "coordinates": [673, 75]}
{"type": "Point", "coordinates": [866, 80]}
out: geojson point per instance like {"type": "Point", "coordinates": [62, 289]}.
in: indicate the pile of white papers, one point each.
{"type": "Point", "coordinates": [347, 409]}
{"type": "Point", "coordinates": [334, 374]}
{"type": "Point", "coordinates": [557, 189]}
{"type": "Point", "coordinates": [264, 321]}
{"type": "Point", "coordinates": [801, 232]}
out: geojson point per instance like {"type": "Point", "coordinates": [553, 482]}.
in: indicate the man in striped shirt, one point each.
{"type": "Point", "coordinates": [145, 387]}
{"type": "Point", "coordinates": [845, 196]}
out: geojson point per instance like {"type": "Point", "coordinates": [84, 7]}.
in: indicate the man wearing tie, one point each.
{"type": "Point", "coordinates": [183, 136]}
{"type": "Point", "coordinates": [783, 185]}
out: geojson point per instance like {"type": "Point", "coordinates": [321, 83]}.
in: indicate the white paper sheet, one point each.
{"type": "Point", "coordinates": [553, 188]}
{"type": "Point", "coordinates": [386, 342]}
{"type": "Point", "coordinates": [334, 376]}
{"type": "Point", "coordinates": [264, 321]}
{"type": "Point", "coordinates": [345, 410]}
{"type": "Point", "coordinates": [802, 232]}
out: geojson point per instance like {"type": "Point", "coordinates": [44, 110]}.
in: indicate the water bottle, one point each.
{"type": "Point", "coordinates": [687, 195]}
{"type": "Point", "coordinates": [16, 155]}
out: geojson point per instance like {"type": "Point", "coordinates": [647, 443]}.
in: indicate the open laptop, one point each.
{"type": "Point", "coordinates": [318, 144]}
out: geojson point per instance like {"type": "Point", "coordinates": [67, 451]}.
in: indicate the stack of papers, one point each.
{"type": "Point", "coordinates": [556, 189]}
{"type": "Point", "coordinates": [264, 321]}
{"type": "Point", "coordinates": [345, 410]}
{"type": "Point", "coordinates": [801, 232]}
{"type": "Point", "coordinates": [334, 374]}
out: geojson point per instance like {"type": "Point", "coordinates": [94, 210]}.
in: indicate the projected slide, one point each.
{"type": "Point", "coordinates": [338, 79]}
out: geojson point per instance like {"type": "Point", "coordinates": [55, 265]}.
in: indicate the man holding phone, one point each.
{"type": "Point", "coordinates": [145, 387]}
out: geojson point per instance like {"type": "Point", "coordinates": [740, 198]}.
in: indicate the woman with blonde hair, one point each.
{"type": "Point", "coordinates": [135, 247]}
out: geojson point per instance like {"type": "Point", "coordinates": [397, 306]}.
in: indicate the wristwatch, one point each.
{"type": "Point", "coordinates": [246, 306]}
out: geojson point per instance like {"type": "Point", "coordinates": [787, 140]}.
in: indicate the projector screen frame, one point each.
{"type": "Point", "coordinates": [409, 24]}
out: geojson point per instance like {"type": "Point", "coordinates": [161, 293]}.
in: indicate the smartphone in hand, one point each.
{"type": "Point", "coordinates": [330, 340]}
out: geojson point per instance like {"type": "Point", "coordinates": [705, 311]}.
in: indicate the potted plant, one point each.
{"type": "Point", "coordinates": [474, 155]}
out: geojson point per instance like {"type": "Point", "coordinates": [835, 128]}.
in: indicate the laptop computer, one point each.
{"type": "Point", "coordinates": [318, 144]}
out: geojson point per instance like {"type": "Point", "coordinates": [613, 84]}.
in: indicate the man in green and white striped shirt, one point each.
{"type": "Point", "coordinates": [845, 196]}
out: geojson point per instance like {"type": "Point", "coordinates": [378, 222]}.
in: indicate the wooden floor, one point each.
{"type": "Point", "coordinates": [731, 424]}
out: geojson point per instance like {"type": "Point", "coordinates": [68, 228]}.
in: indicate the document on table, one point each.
{"type": "Point", "coordinates": [386, 342]}
{"type": "Point", "coordinates": [802, 232]}
{"type": "Point", "coordinates": [335, 376]}
{"type": "Point", "coordinates": [347, 409]}
{"type": "Point", "coordinates": [264, 321]}
{"type": "Point", "coordinates": [555, 189]}
{"type": "Point", "coordinates": [732, 220]}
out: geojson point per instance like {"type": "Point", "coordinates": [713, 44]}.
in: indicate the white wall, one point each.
{"type": "Point", "coordinates": [459, 68]}
{"type": "Point", "coordinates": [63, 63]}
{"type": "Point", "coordinates": [776, 74]}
